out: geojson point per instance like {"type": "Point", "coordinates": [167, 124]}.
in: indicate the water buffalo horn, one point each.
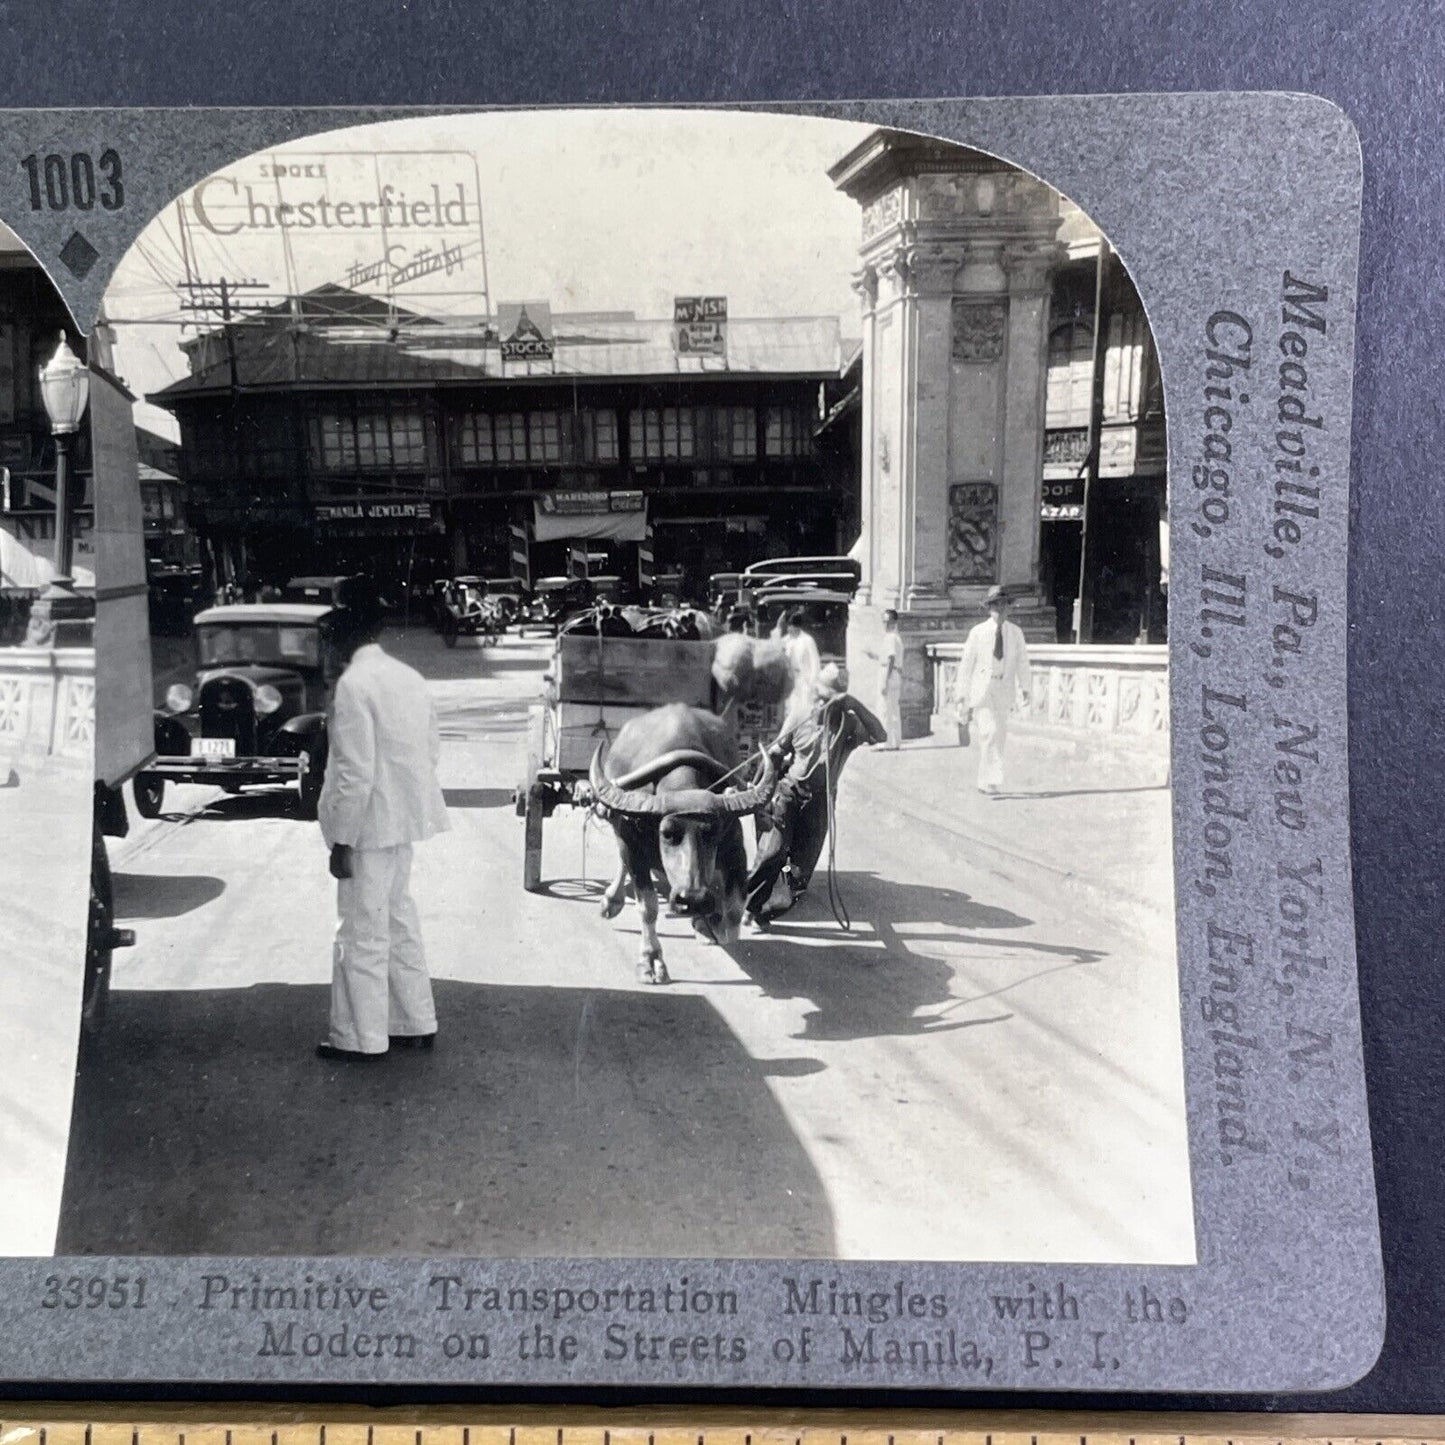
{"type": "Point", "coordinates": [641, 804]}
{"type": "Point", "coordinates": [741, 801]}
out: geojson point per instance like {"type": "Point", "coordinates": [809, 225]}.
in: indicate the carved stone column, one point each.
{"type": "Point", "coordinates": [957, 254]}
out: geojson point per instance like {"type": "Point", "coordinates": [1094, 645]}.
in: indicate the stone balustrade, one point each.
{"type": "Point", "coordinates": [1115, 697]}
{"type": "Point", "coordinates": [47, 705]}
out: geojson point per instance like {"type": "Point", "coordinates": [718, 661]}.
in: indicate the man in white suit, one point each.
{"type": "Point", "coordinates": [993, 669]}
{"type": "Point", "coordinates": [380, 796]}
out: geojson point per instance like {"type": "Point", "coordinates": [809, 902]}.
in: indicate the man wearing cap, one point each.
{"type": "Point", "coordinates": [994, 667]}
{"type": "Point", "coordinates": [379, 797]}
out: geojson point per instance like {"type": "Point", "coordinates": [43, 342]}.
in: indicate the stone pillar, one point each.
{"type": "Point", "coordinates": [957, 254]}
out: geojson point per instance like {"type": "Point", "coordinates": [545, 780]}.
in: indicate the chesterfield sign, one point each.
{"type": "Point", "coordinates": [382, 219]}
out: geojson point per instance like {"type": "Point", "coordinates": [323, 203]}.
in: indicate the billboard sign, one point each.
{"type": "Point", "coordinates": [524, 329]}
{"type": "Point", "coordinates": [700, 325]}
{"type": "Point", "coordinates": [590, 503]}
{"type": "Point", "coordinates": [375, 222]}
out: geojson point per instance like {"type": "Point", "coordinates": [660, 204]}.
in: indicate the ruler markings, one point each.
{"type": "Point", "coordinates": [454, 1425]}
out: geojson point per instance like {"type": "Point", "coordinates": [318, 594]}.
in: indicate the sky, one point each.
{"type": "Point", "coordinates": [616, 210]}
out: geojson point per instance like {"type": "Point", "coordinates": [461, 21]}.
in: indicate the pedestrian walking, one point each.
{"type": "Point", "coordinates": [891, 659]}
{"type": "Point", "coordinates": [380, 796]}
{"type": "Point", "coordinates": [994, 668]}
{"type": "Point", "coordinates": [805, 665]}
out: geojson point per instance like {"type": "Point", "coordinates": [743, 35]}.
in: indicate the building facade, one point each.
{"type": "Point", "coordinates": [1012, 422]}
{"type": "Point", "coordinates": [331, 440]}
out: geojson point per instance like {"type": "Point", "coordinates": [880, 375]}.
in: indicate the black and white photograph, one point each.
{"type": "Point", "coordinates": [634, 718]}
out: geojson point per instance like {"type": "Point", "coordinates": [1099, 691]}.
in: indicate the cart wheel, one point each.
{"type": "Point", "coordinates": [149, 793]}
{"type": "Point", "coordinates": [449, 636]}
{"type": "Point", "coordinates": [532, 845]}
{"type": "Point", "coordinates": [99, 939]}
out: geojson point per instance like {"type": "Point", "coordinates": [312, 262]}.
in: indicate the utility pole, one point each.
{"type": "Point", "coordinates": [1084, 602]}
{"type": "Point", "coordinates": [210, 298]}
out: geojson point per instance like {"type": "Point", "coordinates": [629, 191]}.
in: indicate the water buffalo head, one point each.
{"type": "Point", "coordinates": [699, 833]}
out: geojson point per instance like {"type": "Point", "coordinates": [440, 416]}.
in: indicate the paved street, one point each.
{"type": "Point", "coordinates": [46, 803]}
{"type": "Point", "coordinates": [987, 1066]}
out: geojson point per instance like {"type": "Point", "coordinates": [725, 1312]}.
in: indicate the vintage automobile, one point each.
{"type": "Point", "coordinates": [841, 574]}
{"type": "Point", "coordinates": [321, 591]}
{"type": "Point", "coordinates": [722, 594]}
{"type": "Point", "coordinates": [257, 712]}
{"type": "Point", "coordinates": [467, 611]}
{"type": "Point", "coordinates": [825, 615]}
{"type": "Point", "coordinates": [510, 595]}
{"type": "Point", "coordinates": [556, 600]}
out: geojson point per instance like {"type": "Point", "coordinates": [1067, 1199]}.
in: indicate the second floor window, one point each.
{"type": "Point", "coordinates": [373, 439]}
{"type": "Point", "coordinates": [735, 433]}
{"type": "Point", "coordinates": [663, 434]}
{"type": "Point", "coordinates": [1070, 384]}
{"type": "Point", "coordinates": [788, 433]}
{"type": "Point", "coordinates": [543, 438]}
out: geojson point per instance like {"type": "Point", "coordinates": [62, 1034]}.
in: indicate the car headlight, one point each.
{"type": "Point", "coordinates": [178, 698]}
{"type": "Point", "coordinates": [267, 699]}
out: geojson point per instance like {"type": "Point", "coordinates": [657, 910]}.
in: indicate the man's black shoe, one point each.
{"type": "Point", "coordinates": [413, 1041]}
{"type": "Point", "coordinates": [334, 1055]}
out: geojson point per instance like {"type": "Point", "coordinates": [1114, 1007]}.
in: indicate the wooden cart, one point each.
{"type": "Point", "coordinates": [595, 686]}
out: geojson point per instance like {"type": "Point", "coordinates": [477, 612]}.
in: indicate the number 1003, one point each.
{"type": "Point", "coordinates": [58, 183]}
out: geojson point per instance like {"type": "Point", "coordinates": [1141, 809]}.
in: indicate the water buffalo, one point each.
{"type": "Point", "coordinates": [658, 791]}
{"type": "Point", "coordinates": [794, 826]}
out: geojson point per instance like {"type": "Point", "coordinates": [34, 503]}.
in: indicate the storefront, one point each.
{"type": "Point", "coordinates": [1116, 564]}
{"type": "Point", "coordinates": [615, 454]}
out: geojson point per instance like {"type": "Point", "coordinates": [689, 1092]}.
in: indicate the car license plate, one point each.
{"type": "Point", "coordinates": [213, 747]}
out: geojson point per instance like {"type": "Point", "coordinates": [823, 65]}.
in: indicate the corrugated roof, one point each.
{"type": "Point", "coordinates": [286, 355]}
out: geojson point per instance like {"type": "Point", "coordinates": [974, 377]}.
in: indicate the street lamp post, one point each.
{"type": "Point", "coordinates": [60, 617]}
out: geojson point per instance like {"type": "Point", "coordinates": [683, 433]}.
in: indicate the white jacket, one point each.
{"type": "Point", "coordinates": [381, 786]}
{"type": "Point", "coordinates": [976, 666]}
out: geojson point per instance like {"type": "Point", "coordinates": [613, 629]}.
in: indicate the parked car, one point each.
{"type": "Point", "coordinates": [825, 616]}
{"type": "Point", "coordinates": [174, 596]}
{"type": "Point", "coordinates": [257, 713]}
{"type": "Point", "coordinates": [467, 611]}
{"type": "Point", "coordinates": [512, 597]}
{"type": "Point", "coordinates": [321, 591]}
{"type": "Point", "coordinates": [838, 573]}
{"type": "Point", "coordinates": [556, 601]}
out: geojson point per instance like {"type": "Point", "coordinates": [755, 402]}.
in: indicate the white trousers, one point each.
{"type": "Point", "coordinates": [379, 982]}
{"type": "Point", "coordinates": [990, 721]}
{"type": "Point", "coordinates": [893, 713]}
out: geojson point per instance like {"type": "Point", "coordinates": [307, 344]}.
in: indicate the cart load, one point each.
{"type": "Point", "coordinates": [599, 681]}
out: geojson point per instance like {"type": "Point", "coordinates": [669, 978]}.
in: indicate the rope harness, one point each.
{"type": "Point", "coordinates": [797, 788]}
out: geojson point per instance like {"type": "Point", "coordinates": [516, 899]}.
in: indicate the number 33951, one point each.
{"type": "Point", "coordinates": [77, 1292]}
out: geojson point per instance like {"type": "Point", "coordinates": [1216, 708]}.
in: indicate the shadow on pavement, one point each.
{"type": "Point", "coordinates": [163, 895]}
{"type": "Point", "coordinates": [1024, 794]}
{"type": "Point", "coordinates": [264, 801]}
{"type": "Point", "coordinates": [477, 797]}
{"type": "Point", "coordinates": [573, 890]}
{"type": "Point", "coordinates": [546, 1122]}
{"type": "Point", "coordinates": [877, 980]}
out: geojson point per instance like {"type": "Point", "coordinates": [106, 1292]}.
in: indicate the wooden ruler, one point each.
{"type": "Point", "coordinates": [89, 1424]}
